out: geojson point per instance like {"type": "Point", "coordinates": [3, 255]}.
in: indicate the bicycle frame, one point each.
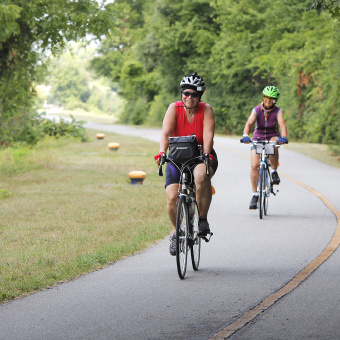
{"type": "Point", "coordinates": [187, 215]}
{"type": "Point", "coordinates": [265, 184]}
{"type": "Point", "coordinates": [264, 155]}
{"type": "Point", "coordinates": [186, 186]}
{"type": "Point", "coordinates": [263, 164]}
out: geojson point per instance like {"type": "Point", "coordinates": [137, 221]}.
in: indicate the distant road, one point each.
{"type": "Point", "coordinates": [247, 261]}
{"type": "Point", "coordinates": [152, 134]}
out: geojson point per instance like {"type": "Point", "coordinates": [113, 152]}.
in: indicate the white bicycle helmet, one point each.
{"type": "Point", "coordinates": [193, 81]}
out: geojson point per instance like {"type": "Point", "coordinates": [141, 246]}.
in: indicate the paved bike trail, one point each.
{"type": "Point", "coordinates": [141, 297]}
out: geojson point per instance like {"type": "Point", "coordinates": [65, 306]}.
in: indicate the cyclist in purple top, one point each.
{"type": "Point", "coordinates": [268, 118]}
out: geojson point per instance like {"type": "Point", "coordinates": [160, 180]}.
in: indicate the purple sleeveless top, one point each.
{"type": "Point", "coordinates": [266, 129]}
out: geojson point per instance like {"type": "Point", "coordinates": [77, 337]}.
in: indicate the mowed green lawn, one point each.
{"type": "Point", "coordinates": [68, 208]}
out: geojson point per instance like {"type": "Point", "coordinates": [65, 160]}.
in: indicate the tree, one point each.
{"type": "Point", "coordinates": [158, 43]}
{"type": "Point", "coordinates": [238, 47]}
{"type": "Point", "coordinates": [332, 6]}
{"type": "Point", "coordinates": [75, 86]}
{"type": "Point", "coordinates": [30, 31]}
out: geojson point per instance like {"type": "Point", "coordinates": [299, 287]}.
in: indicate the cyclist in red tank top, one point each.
{"type": "Point", "coordinates": [183, 118]}
{"type": "Point", "coordinates": [184, 128]}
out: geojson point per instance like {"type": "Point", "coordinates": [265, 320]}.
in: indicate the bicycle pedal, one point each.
{"type": "Point", "coordinates": [207, 239]}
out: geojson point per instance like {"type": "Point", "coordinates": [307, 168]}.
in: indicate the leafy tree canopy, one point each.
{"type": "Point", "coordinates": [29, 31]}
{"type": "Point", "coordinates": [147, 46]}
{"type": "Point", "coordinates": [238, 47]}
{"type": "Point", "coordinates": [333, 6]}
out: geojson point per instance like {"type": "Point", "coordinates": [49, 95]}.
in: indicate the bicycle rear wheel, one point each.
{"type": "Point", "coordinates": [262, 190]}
{"type": "Point", "coordinates": [196, 241]}
{"type": "Point", "coordinates": [182, 232]}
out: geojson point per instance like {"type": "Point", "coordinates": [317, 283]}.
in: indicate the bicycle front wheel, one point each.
{"type": "Point", "coordinates": [182, 231]}
{"type": "Point", "coordinates": [266, 191]}
{"type": "Point", "coordinates": [195, 240]}
{"type": "Point", "coordinates": [262, 190]}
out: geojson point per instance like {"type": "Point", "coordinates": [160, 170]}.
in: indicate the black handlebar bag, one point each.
{"type": "Point", "coordinates": [183, 148]}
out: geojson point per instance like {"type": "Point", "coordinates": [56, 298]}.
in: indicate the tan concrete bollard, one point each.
{"type": "Point", "coordinates": [113, 146]}
{"type": "Point", "coordinates": [100, 136]}
{"type": "Point", "coordinates": [137, 177]}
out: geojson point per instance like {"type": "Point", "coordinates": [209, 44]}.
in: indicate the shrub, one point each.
{"type": "Point", "coordinates": [62, 129]}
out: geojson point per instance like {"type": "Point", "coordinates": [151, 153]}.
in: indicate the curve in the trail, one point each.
{"type": "Point", "coordinates": [292, 284]}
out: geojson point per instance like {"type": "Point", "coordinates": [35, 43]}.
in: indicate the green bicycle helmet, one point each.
{"type": "Point", "coordinates": [271, 91]}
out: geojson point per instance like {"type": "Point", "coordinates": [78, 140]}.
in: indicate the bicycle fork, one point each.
{"type": "Point", "coordinates": [266, 178]}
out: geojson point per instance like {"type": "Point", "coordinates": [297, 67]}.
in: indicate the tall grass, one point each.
{"type": "Point", "coordinates": [67, 208]}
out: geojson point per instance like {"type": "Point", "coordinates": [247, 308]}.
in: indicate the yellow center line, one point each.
{"type": "Point", "coordinates": [299, 278]}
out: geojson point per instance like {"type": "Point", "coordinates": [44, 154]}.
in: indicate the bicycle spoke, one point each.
{"type": "Point", "coordinates": [262, 170]}
{"type": "Point", "coordinates": [182, 226]}
{"type": "Point", "coordinates": [196, 241]}
{"type": "Point", "coordinates": [267, 192]}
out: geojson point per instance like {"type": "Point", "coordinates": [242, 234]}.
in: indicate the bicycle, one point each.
{"type": "Point", "coordinates": [265, 183]}
{"type": "Point", "coordinates": [187, 215]}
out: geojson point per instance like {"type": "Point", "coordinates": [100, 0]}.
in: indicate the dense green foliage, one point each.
{"type": "Point", "coordinates": [148, 46]}
{"type": "Point", "coordinates": [63, 128]}
{"type": "Point", "coordinates": [238, 47]}
{"type": "Point", "coordinates": [333, 6]}
{"type": "Point", "coordinates": [28, 30]}
{"type": "Point", "coordinates": [75, 87]}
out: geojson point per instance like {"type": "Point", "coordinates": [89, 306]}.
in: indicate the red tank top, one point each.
{"type": "Point", "coordinates": [184, 128]}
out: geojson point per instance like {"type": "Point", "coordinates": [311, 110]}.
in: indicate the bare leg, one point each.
{"type": "Point", "coordinates": [254, 171]}
{"type": "Point", "coordinates": [274, 159]}
{"type": "Point", "coordinates": [171, 194]}
{"type": "Point", "coordinates": [203, 189]}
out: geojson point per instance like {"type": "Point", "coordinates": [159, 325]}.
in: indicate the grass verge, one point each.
{"type": "Point", "coordinates": [320, 152]}
{"type": "Point", "coordinates": [68, 208]}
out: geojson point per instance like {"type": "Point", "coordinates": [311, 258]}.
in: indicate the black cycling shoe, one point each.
{"type": "Point", "coordinates": [275, 178]}
{"type": "Point", "coordinates": [203, 228]}
{"type": "Point", "coordinates": [253, 202]}
{"type": "Point", "coordinates": [172, 247]}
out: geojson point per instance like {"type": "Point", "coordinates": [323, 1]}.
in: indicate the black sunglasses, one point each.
{"type": "Point", "coordinates": [192, 94]}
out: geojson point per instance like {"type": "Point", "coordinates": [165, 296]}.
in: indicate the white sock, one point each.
{"type": "Point", "coordinates": [255, 193]}
{"type": "Point", "coordinates": [272, 170]}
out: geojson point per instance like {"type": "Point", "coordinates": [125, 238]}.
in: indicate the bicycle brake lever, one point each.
{"type": "Point", "coordinates": [206, 158]}
{"type": "Point", "coordinates": [160, 168]}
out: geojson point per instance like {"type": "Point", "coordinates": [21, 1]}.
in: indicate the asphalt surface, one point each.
{"type": "Point", "coordinates": [247, 260]}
